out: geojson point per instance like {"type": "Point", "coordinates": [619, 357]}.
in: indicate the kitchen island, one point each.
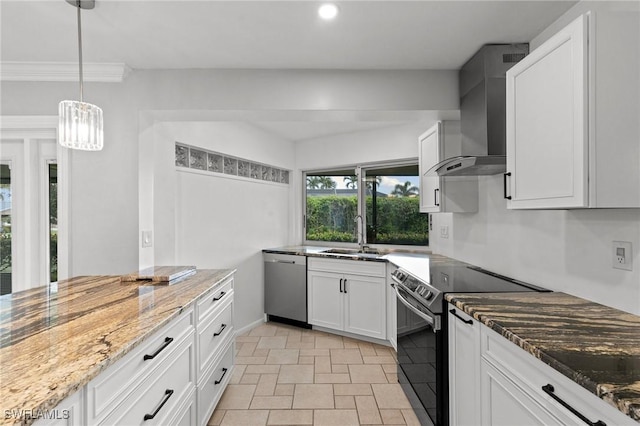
{"type": "Point", "coordinates": [593, 345]}
{"type": "Point", "coordinates": [55, 339]}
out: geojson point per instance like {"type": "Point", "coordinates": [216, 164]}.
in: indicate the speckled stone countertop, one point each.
{"type": "Point", "coordinates": [320, 251]}
{"type": "Point", "coordinates": [596, 346]}
{"type": "Point", "coordinates": [56, 338]}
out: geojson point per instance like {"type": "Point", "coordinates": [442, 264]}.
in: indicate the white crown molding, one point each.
{"type": "Point", "coordinates": [32, 126]}
{"type": "Point", "coordinates": [63, 71]}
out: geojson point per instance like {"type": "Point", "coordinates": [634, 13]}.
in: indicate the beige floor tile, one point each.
{"type": "Point", "coordinates": [313, 396]}
{"type": "Point", "coordinates": [390, 368]}
{"type": "Point", "coordinates": [323, 364]}
{"type": "Point", "coordinates": [245, 418]}
{"type": "Point", "coordinates": [266, 385]}
{"type": "Point", "coordinates": [315, 352]}
{"type": "Point", "coordinates": [335, 417]}
{"type": "Point", "coordinates": [238, 371]}
{"type": "Point", "coordinates": [345, 402]}
{"type": "Point", "coordinates": [251, 359]}
{"type": "Point", "coordinates": [236, 397]}
{"type": "Point", "coordinates": [390, 396]}
{"type": "Point", "coordinates": [410, 417]}
{"type": "Point", "coordinates": [388, 359]}
{"type": "Point", "coordinates": [262, 369]}
{"type": "Point", "coordinates": [392, 417]}
{"type": "Point", "coordinates": [350, 343]}
{"type": "Point", "coordinates": [264, 330]}
{"type": "Point", "coordinates": [284, 390]}
{"type": "Point", "coordinates": [333, 378]}
{"type": "Point", "coordinates": [368, 410]}
{"type": "Point", "coordinates": [249, 379]}
{"type": "Point", "coordinates": [308, 338]}
{"type": "Point", "coordinates": [283, 356]}
{"type": "Point", "coordinates": [372, 373]}
{"type": "Point", "coordinates": [296, 374]}
{"type": "Point", "coordinates": [383, 351]}
{"type": "Point", "coordinates": [290, 417]}
{"type": "Point", "coordinates": [261, 352]}
{"type": "Point", "coordinates": [329, 342]}
{"type": "Point", "coordinates": [352, 389]}
{"type": "Point", "coordinates": [392, 377]}
{"type": "Point", "coordinates": [339, 368]}
{"type": "Point", "coordinates": [274, 342]}
{"type": "Point", "coordinates": [216, 418]}
{"type": "Point", "coordinates": [306, 360]}
{"type": "Point", "coordinates": [367, 349]}
{"type": "Point", "coordinates": [300, 345]}
{"type": "Point", "coordinates": [346, 356]}
{"type": "Point", "coordinates": [246, 349]}
{"type": "Point", "coordinates": [245, 339]}
{"type": "Point", "coordinates": [271, 402]}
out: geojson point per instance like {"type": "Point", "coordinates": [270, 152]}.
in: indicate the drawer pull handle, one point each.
{"type": "Point", "coordinates": [224, 372]}
{"type": "Point", "coordinates": [167, 340]}
{"type": "Point", "coordinates": [504, 185]}
{"type": "Point", "coordinates": [341, 285]}
{"type": "Point", "coordinates": [435, 197]}
{"type": "Point", "coordinates": [345, 286]}
{"type": "Point", "coordinates": [215, 299]}
{"type": "Point", "coordinates": [221, 330]}
{"type": "Point", "coordinates": [549, 389]}
{"type": "Point", "coordinates": [455, 314]}
{"type": "Point", "coordinates": [165, 398]}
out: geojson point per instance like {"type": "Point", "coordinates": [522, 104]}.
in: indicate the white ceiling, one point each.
{"type": "Point", "coordinates": [270, 34]}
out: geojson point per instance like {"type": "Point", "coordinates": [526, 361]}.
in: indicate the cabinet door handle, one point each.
{"type": "Point", "coordinates": [504, 182]}
{"type": "Point", "coordinates": [221, 330]}
{"type": "Point", "coordinates": [165, 398]}
{"type": "Point", "coordinates": [215, 299]}
{"type": "Point", "coordinates": [435, 196]}
{"type": "Point", "coordinates": [345, 286]}
{"type": "Point", "coordinates": [224, 372]}
{"type": "Point", "coordinates": [455, 314]}
{"type": "Point", "coordinates": [341, 285]}
{"type": "Point", "coordinates": [166, 342]}
{"type": "Point", "coordinates": [549, 389]}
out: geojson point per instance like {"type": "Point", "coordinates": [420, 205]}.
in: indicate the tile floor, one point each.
{"type": "Point", "coordinates": [291, 376]}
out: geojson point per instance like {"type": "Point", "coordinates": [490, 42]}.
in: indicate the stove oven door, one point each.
{"type": "Point", "coordinates": [418, 361]}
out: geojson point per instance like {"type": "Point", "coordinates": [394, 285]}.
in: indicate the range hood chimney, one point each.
{"type": "Point", "coordinates": [483, 112]}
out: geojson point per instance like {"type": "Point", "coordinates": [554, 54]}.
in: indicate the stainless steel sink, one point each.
{"type": "Point", "coordinates": [367, 252]}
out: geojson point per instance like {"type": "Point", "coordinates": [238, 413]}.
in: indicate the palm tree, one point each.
{"type": "Point", "coordinates": [327, 183]}
{"type": "Point", "coordinates": [405, 190]}
{"type": "Point", "coordinates": [313, 182]}
{"type": "Point", "coordinates": [351, 181]}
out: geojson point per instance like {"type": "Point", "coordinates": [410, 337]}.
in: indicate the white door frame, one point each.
{"type": "Point", "coordinates": [31, 127]}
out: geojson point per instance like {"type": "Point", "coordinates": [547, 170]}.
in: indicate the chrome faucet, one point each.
{"type": "Point", "coordinates": [360, 231]}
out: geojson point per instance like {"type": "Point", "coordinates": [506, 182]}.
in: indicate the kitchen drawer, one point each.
{"type": "Point", "coordinates": [212, 333]}
{"type": "Point", "coordinates": [530, 374]}
{"type": "Point", "coordinates": [210, 390]}
{"type": "Point", "coordinates": [185, 414]}
{"type": "Point", "coordinates": [114, 385]}
{"type": "Point", "coordinates": [215, 298]}
{"type": "Point", "coordinates": [353, 267]}
{"type": "Point", "coordinates": [161, 393]}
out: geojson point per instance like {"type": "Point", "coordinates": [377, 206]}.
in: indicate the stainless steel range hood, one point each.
{"type": "Point", "coordinates": [482, 112]}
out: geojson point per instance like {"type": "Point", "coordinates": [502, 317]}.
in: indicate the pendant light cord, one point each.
{"type": "Point", "coordinates": [80, 46]}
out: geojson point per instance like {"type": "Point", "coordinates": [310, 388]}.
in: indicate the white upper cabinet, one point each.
{"type": "Point", "coordinates": [568, 145]}
{"type": "Point", "coordinates": [444, 194]}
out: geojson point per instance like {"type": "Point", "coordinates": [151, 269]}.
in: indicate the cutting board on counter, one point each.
{"type": "Point", "coordinates": [161, 274]}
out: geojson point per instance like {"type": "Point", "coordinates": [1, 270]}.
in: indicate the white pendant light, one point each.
{"type": "Point", "coordinates": [80, 123]}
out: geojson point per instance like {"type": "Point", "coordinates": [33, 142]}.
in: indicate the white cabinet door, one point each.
{"type": "Point", "coordinates": [547, 134]}
{"type": "Point", "coordinates": [504, 403]}
{"type": "Point", "coordinates": [325, 299]}
{"type": "Point", "coordinates": [429, 155]}
{"type": "Point", "coordinates": [365, 306]}
{"type": "Point", "coordinates": [464, 368]}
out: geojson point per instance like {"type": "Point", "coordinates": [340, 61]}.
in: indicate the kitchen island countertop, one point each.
{"type": "Point", "coordinates": [596, 346]}
{"type": "Point", "coordinates": [56, 338]}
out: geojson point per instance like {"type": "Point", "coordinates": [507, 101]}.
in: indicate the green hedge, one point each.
{"type": "Point", "coordinates": [331, 218]}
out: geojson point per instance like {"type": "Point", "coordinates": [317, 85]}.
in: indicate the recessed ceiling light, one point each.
{"type": "Point", "coordinates": [328, 11]}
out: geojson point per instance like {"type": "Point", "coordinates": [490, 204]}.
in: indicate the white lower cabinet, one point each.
{"type": "Point", "coordinates": [348, 295]}
{"type": "Point", "coordinates": [70, 412]}
{"type": "Point", "coordinates": [492, 381]}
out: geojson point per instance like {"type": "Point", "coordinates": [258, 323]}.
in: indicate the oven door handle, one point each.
{"type": "Point", "coordinates": [428, 318]}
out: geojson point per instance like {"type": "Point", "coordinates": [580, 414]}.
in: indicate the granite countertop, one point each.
{"type": "Point", "coordinates": [596, 346]}
{"type": "Point", "coordinates": [383, 255]}
{"type": "Point", "coordinates": [56, 338]}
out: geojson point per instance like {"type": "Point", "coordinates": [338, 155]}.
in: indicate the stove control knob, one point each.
{"type": "Point", "coordinates": [429, 295]}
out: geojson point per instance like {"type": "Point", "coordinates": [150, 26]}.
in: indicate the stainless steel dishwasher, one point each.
{"type": "Point", "coordinates": [285, 288]}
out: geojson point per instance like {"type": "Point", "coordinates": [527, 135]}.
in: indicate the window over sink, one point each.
{"type": "Point", "coordinates": [381, 198]}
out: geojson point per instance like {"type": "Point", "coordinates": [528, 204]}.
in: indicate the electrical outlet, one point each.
{"type": "Point", "coordinates": [444, 231]}
{"type": "Point", "coordinates": [622, 256]}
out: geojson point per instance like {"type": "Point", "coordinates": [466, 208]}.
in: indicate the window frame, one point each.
{"type": "Point", "coordinates": [358, 169]}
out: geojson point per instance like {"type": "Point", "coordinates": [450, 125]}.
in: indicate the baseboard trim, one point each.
{"type": "Point", "coordinates": [252, 325]}
{"type": "Point", "coordinates": [353, 336]}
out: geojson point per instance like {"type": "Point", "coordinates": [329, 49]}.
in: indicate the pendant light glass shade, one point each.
{"type": "Point", "coordinates": [80, 126]}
